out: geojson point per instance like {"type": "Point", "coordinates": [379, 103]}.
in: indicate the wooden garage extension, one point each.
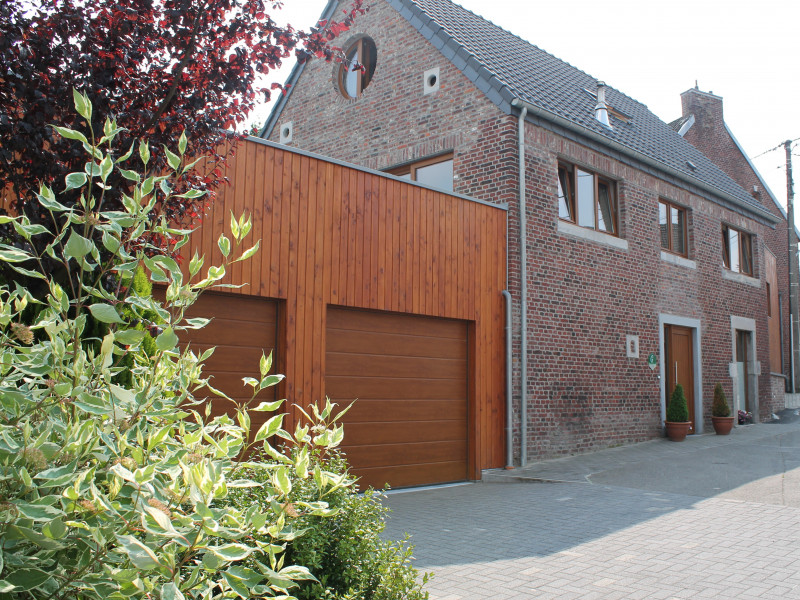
{"type": "Point", "coordinates": [383, 290]}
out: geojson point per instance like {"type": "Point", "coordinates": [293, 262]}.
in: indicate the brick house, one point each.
{"type": "Point", "coordinates": [637, 244]}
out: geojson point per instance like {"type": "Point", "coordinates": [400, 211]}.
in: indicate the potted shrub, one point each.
{"type": "Point", "coordinates": [720, 412]}
{"type": "Point", "coordinates": [677, 423]}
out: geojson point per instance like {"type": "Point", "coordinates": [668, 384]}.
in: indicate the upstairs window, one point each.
{"type": "Point", "coordinates": [587, 199]}
{"type": "Point", "coordinates": [737, 250]}
{"type": "Point", "coordinates": [672, 223]}
{"type": "Point", "coordinates": [435, 172]}
{"type": "Point", "coordinates": [356, 71]}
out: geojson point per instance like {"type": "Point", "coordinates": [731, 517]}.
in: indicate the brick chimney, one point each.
{"type": "Point", "coordinates": [709, 127]}
{"type": "Point", "coordinates": [709, 134]}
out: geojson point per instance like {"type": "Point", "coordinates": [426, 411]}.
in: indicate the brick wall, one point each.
{"type": "Point", "coordinates": [584, 296]}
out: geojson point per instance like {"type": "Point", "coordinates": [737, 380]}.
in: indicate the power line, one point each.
{"type": "Point", "coordinates": [778, 147]}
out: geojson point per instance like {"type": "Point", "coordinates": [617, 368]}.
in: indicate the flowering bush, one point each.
{"type": "Point", "coordinates": [745, 417]}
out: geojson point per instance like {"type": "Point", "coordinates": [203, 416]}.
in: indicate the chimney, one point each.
{"type": "Point", "coordinates": [601, 109]}
{"type": "Point", "coordinates": [705, 106]}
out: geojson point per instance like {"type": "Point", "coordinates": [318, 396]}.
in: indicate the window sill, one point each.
{"type": "Point", "coordinates": [745, 279]}
{"type": "Point", "coordinates": [678, 260]}
{"type": "Point", "coordinates": [591, 235]}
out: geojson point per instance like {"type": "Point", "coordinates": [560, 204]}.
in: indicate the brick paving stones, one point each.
{"type": "Point", "coordinates": [583, 540]}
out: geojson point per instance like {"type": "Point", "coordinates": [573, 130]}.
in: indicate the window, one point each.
{"type": "Point", "coordinates": [587, 199]}
{"type": "Point", "coordinates": [737, 250]}
{"type": "Point", "coordinates": [356, 71]}
{"type": "Point", "coordinates": [436, 172]}
{"type": "Point", "coordinates": [672, 223]}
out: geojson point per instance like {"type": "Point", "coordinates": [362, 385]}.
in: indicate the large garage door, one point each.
{"type": "Point", "coordinates": [242, 327]}
{"type": "Point", "coordinates": [409, 376]}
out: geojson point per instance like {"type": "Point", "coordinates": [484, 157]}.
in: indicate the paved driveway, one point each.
{"type": "Point", "coordinates": [713, 517]}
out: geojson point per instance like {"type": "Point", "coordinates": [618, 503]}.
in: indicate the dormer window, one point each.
{"type": "Point", "coordinates": [355, 73]}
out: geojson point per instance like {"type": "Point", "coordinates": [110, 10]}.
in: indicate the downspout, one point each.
{"type": "Point", "coordinates": [509, 389]}
{"type": "Point", "coordinates": [523, 309]}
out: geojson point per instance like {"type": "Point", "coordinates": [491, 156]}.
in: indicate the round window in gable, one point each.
{"type": "Point", "coordinates": [356, 72]}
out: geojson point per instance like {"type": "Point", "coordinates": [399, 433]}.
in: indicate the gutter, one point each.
{"type": "Point", "coordinates": [624, 150]}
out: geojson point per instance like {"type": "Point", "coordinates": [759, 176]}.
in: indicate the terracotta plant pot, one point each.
{"type": "Point", "coordinates": [677, 431]}
{"type": "Point", "coordinates": [722, 425]}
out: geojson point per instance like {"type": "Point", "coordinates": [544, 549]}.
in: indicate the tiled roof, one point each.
{"type": "Point", "coordinates": [505, 67]}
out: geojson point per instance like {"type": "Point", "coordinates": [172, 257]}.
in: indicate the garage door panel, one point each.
{"type": "Point", "coordinates": [422, 454]}
{"type": "Point", "coordinates": [242, 328]}
{"type": "Point", "coordinates": [408, 475]}
{"type": "Point", "coordinates": [377, 388]}
{"type": "Point", "coordinates": [410, 367]}
{"type": "Point", "coordinates": [399, 432]}
{"type": "Point", "coordinates": [230, 359]}
{"type": "Point", "coordinates": [354, 320]}
{"type": "Point", "coordinates": [368, 411]}
{"type": "Point", "coordinates": [409, 426]}
{"type": "Point", "coordinates": [371, 342]}
{"type": "Point", "coordinates": [228, 332]}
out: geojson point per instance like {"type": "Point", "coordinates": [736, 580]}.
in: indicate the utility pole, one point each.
{"type": "Point", "coordinates": [794, 270]}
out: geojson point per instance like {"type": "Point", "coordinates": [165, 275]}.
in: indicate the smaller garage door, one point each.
{"type": "Point", "coordinates": [242, 327]}
{"type": "Point", "coordinates": [409, 376]}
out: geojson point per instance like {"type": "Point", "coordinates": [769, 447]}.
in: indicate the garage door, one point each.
{"type": "Point", "coordinates": [242, 327]}
{"type": "Point", "coordinates": [409, 376]}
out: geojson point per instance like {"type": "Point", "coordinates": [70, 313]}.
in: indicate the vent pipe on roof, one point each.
{"type": "Point", "coordinates": [601, 109]}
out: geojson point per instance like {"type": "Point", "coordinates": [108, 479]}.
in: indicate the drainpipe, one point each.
{"type": "Point", "coordinates": [523, 309]}
{"type": "Point", "coordinates": [509, 389]}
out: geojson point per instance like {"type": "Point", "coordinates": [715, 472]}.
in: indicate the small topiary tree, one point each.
{"type": "Point", "coordinates": [677, 411]}
{"type": "Point", "coordinates": [720, 408]}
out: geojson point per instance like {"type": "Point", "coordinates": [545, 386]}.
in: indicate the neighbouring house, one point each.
{"type": "Point", "coordinates": [635, 259]}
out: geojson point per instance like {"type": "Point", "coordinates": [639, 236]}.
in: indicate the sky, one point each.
{"type": "Point", "coordinates": [746, 52]}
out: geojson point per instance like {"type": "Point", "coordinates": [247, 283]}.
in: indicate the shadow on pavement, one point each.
{"type": "Point", "coordinates": [594, 495]}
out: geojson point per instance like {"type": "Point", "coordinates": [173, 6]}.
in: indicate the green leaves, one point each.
{"type": "Point", "coordinates": [105, 313]}
{"type": "Point", "coordinates": [142, 557]}
{"type": "Point", "coordinates": [77, 246]}
{"type": "Point", "coordinates": [26, 579]}
{"type": "Point", "coordinates": [82, 104]}
{"type": "Point", "coordinates": [74, 181]}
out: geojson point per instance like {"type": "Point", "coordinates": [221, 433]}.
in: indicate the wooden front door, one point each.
{"type": "Point", "coordinates": [680, 365]}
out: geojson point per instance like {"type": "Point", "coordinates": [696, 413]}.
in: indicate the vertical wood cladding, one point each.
{"type": "Point", "coordinates": [339, 236]}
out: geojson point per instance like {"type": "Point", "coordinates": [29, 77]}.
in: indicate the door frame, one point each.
{"type": "Point", "coordinates": [697, 366]}
{"type": "Point", "coordinates": [752, 368]}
